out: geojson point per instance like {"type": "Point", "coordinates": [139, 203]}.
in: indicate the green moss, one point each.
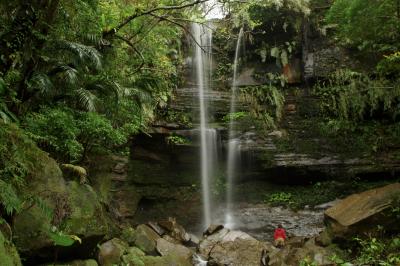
{"type": "Point", "coordinates": [87, 215]}
{"type": "Point", "coordinates": [8, 253]}
{"type": "Point", "coordinates": [76, 263]}
{"type": "Point", "coordinates": [128, 235]}
{"type": "Point", "coordinates": [171, 259]}
{"type": "Point", "coordinates": [30, 230]}
{"type": "Point", "coordinates": [134, 257]}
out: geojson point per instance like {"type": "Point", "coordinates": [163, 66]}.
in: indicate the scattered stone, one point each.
{"type": "Point", "coordinates": [171, 239]}
{"type": "Point", "coordinates": [174, 229]}
{"type": "Point", "coordinates": [145, 239]}
{"type": "Point", "coordinates": [110, 252]}
{"type": "Point", "coordinates": [212, 229]}
{"type": "Point", "coordinates": [193, 242]}
{"type": "Point", "coordinates": [324, 239]}
{"type": "Point", "coordinates": [277, 257]}
{"type": "Point", "coordinates": [207, 244]}
{"type": "Point", "coordinates": [166, 248]}
{"type": "Point", "coordinates": [158, 229]}
{"type": "Point", "coordinates": [168, 224]}
{"type": "Point", "coordinates": [296, 241]}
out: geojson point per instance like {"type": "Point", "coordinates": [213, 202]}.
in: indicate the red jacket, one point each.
{"type": "Point", "coordinates": [279, 233]}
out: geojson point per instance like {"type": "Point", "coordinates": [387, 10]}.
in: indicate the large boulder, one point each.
{"type": "Point", "coordinates": [361, 213]}
{"type": "Point", "coordinates": [226, 247]}
{"type": "Point", "coordinates": [146, 239]}
{"type": "Point", "coordinates": [31, 225]}
{"type": "Point", "coordinates": [87, 217]}
{"type": "Point", "coordinates": [77, 211]}
{"type": "Point", "coordinates": [76, 208]}
{"type": "Point", "coordinates": [166, 248]}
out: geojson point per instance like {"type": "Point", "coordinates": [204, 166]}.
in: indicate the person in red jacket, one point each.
{"type": "Point", "coordinates": [279, 236]}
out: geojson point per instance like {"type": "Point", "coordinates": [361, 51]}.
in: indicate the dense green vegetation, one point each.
{"type": "Point", "coordinates": [80, 77]}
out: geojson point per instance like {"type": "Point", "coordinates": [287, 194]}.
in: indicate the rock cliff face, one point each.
{"type": "Point", "coordinates": [296, 152]}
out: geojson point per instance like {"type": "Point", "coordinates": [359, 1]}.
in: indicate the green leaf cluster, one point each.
{"type": "Point", "coordinates": [266, 103]}
{"type": "Point", "coordinates": [354, 96]}
{"type": "Point", "coordinates": [367, 25]}
{"type": "Point", "coordinates": [69, 135]}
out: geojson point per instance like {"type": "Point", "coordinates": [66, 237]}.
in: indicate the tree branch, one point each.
{"type": "Point", "coordinates": [136, 51]}
{"type": "Point", "coordinates": [181, 26]}
{"type": "Point", "coordinates": [148, 12]}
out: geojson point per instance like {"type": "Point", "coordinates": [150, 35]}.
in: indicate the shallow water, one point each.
{"type": "Point", "coordinates": [260, 220]}
{"type": "Point", "coordinates": [256, 219]}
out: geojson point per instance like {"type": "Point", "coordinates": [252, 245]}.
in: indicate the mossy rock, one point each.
{"type": "Point", "coordinates": [87, 217]}
{"type": "Point", "coordinates": [78, 210]}
{"type": "Point", "coordinates": [8, 253]}
{"type": "Point", "coordinates": [45, 181]}
{"type": "Point", "coordinates": [76, 263]}
{"type": "Point", "coordinates": [30, 230]}
{"type": "Point", "coordinates": [128, 235]}
{"type": "Point", "coordinates": [111, 252]}
{"type": "Point", "coordinates": [145, 239]}
{"type": "Point", "coordinates": [134, 257]}
{"type": "Point", "coordinates": [170, 260]}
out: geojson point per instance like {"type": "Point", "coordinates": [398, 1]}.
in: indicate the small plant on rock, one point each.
{"type": "Point", "coordinates": [280, 198]}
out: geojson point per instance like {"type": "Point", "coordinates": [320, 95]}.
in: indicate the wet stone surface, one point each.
{"type": "Point", "coordinates": [260, 220]}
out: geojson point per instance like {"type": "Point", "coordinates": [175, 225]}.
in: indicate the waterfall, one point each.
{"type": "Point", "coordinates": [233, 144]}
{"type": "Point", "coordinates": [208, 137]}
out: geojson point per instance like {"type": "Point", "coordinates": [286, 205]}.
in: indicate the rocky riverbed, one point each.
{"type": "Point", "coordinates": [260, 220]}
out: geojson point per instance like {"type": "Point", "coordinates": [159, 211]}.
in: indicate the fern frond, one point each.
{"type": "Point", "coordinates": [42, 83]}
{"type": "Point", "coordinates": [86, 99]}
{"type": "Point", "coordinates": [9, 198]}
{"type": "Point", "coordinates": [69, 74]}
{"type": "Point", "coordinates": [6, 115]}
{"type": "Point", "coordinates": [84, 55]}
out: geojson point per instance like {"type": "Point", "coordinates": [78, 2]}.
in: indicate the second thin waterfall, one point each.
{"type": "Point", "coordinates": [233, 143]}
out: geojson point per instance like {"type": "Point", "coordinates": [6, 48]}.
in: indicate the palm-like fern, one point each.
{"type": "Point", "coordinates": [74, 75]}
{"type": "Point", "coordinates": [5, 114]}
{"type": "Point", "coordinates": [69, 75]}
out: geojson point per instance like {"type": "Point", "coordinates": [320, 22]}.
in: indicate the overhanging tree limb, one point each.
{"type": "Point", "coordinates": [148, 12]}
{"type": "Point", "coordinates": [136, 51]}
{"type": "Point", "coordinates": [181, 26]}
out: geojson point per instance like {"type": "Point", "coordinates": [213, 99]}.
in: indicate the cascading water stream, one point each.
{"type": "Point", "coordinates": [208, 137]}
{"type": "Point", "coordinates": [233, 144]}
